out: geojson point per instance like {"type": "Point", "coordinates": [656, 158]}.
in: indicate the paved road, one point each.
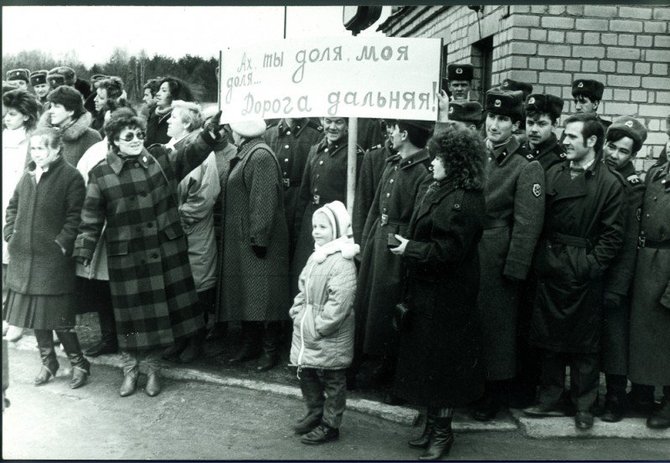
{"type": "Point", "coordinates": [192, 420]}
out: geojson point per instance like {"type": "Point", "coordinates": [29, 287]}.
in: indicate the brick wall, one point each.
{"type": "Point", "coordinates": [625, 47]}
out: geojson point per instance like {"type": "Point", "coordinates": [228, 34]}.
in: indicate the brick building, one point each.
{"type": "Point", "coordinates": [625, 47]}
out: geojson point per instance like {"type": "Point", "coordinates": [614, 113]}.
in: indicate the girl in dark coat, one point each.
{"type": "Point", "coordinates": [439, 363]}
{"type": "Point", "coordinates": [41, 225]}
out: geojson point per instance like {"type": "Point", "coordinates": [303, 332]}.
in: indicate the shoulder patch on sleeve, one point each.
{"type": "Point", "coordinates": [537, 190]}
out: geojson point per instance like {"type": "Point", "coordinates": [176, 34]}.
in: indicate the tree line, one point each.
{"type": "Point", "coordinates": [135, 70]}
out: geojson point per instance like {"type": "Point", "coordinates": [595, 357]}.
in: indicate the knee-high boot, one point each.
{"type": "Point", "coordinates": [423, 440]}
{"type": "Point", "coordinates": [271, 338]}
{"type": "Point", "coordinates": [45, 345]}
{"type": "Point", "coordinates": [442, 437]}
{"type": "Point", "coordinates": [81, 368]}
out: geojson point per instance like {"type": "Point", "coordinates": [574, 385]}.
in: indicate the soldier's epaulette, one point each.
{"type": "Point", "coordinates": [634, 179]}
{"type": "Point", "coordinates": [315, 125]}
{"type": "Point", "coordinates": [376, 147]}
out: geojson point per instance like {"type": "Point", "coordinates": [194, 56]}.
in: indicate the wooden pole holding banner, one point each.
{"type": "Point", "coordinates": [351, 163]}
{"type": "Point", "coordinates": [218, 80]}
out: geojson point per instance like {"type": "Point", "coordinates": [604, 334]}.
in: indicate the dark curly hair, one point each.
{"type": "Point", "coordinates": [463, 153]}
{"type": "Point", "coordinates": [113, 85]}
{"type": "Point", "coordinates": [179, 90]}
{"type": "Point", "coordinates": [122, 118]}
{"type": "Point", "coordinates": [24, 102]}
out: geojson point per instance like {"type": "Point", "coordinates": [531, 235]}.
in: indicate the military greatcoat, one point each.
{"type": "Point", "coordinates": [583, 233]}
{"type": "Point", "coordinates": [548, 153]}
{"type": "Point", "coordinates": [618, 280]}
{"type": "Point", "coordinates": [324, 181]}
{"type": "Point", "coordinates": [152, 287]}
{"type": "Point", "coordinates": [514, 192]}
{"type": "Point", "coordinates": [291, 147]}
{"type": "Point", "coordinates": [382, 274]}
{"type": "Point", "coordinates": [650, 311]}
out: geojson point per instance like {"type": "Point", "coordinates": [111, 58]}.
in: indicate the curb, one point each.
{"type": "Point", "coordinates": [544, 428]}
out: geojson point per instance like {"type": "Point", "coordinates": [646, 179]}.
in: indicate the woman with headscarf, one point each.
{"type": "Point", "coordinates": [439, 364]}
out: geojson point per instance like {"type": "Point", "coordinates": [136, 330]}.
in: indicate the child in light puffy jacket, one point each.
{"type": "Point", "coordinates": [323, 324]}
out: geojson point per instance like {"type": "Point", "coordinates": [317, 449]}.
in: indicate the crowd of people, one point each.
{"type": "Point", "coordinates": [482, 256]}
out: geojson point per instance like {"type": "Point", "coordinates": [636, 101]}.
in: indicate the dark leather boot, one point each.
{"type": "Point", "coordinates": [423, 440]}
{"type": "Point", "coordinates": [660, 419]}
{"type": "Point", "coordinates": [271, 338]}
{"type": "Point", "coordinates": [129, 384]}
{"type": "Point", "coordinates": [251, 343]}
{"type": "Point", "coordinates": [106, 345]}
{"type": "Point", "coordinates": [441, 440]}
{"type": "Point", "coordinates": [486, 408]}
{"type": "Point", "coordinates": [50, 364]}
{"type": "Point", "coordinates": [173, 352]}
{"type": "Point", "coordinates": [80, 367]}
{"type": "Point", "coordinates": [193, 348]}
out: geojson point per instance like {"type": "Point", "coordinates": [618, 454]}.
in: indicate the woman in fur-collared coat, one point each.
{"type": "Point", "coordinates": [439, 364]}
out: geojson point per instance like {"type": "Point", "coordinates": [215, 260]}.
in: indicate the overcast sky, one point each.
{"type": "Point", "coordinates": [94, 31]}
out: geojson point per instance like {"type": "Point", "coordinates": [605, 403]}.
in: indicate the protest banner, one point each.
{"type": "Point", "coordinates": [379, 77]}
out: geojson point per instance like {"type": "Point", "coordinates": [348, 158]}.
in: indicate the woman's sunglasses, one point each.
{"type": "Point", "coordinates": [130, 136]}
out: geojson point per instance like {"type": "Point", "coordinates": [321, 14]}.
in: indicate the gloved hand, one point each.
{"type": "Point", "coordinates": [612, 300]}
{"type": "Point", "coordinates": [260, 251]}
{"type": "Point", "coordinates": [213, 127]}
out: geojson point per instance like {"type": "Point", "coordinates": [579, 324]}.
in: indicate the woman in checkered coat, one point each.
{"type": "Point", "coordinates": [152, 287]}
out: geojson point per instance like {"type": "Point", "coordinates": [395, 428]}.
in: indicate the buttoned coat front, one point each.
{"type": "Point", "coordinates": [254, 288]}
{"type": "Point", "coordinates": [291, 147]}
{"type": "Point", "coordinates": [324, 181]}
{"type": "Point", "coordinates": [583, 232]}
{"type": "Point", "coordinates": [382, 274]}
{"type": "Point", "coordinates": [440, 356]}
{"type": "Point", "coordinates": [650, 311]}
{"type": "Point", "coordinates": [514, 192]}
{"type": "Point", "coordinates": [548, 153]}
{"type": "Point", "coordinates": [153, 292]}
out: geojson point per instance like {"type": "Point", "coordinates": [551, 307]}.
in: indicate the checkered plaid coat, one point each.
{"type": "Point", "coordinates": [152, 287]}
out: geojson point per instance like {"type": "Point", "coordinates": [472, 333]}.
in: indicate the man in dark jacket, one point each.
{"type": "Point", "coordinates": [514, 191]}
{"type": "Point", "coordinates": [583, 232]}
{"type": "Point", "coordinates": [623, 140]}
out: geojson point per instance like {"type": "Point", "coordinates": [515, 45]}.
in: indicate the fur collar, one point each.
{"type": "Point", "coordinates": [343, 244]}
{"type": "Point", "coordinates": [74, 130]}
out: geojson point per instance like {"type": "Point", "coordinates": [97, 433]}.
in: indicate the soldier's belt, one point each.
{"type": "Point", "coordinates": [288, 183]}
{"type": "Point", "coordinates": [570, 240]}
{"type": "Point", "coordinates": [384, 220]}
{"type": "Point", "coordinates": [643, 242]}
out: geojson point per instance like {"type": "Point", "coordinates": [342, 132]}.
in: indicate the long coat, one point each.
{"type": "Point", "coordinates": [514, 192]}
{"type": "Point", "coordinates": [619, 277]}
{"type": "Point", "coordinates": [157, 125]}
{"type": "Point", "coordinates": [382, 273]}
{"type": "Point", "coordinates": [324, 181]}
{"type": "Point", "coordinates": [650, 311]}
{"type": "Point", "coordinates": [583, 232]}
{"type": "Point", "coordinates": [253, 288]}
{"type": "Point", "coordinates": [440, 360]}
{"type": "Point", "coordinates": [372, 168]}
{"type": "Point", "coordinates": [14, 159]}
{"type": "Point", "coordinates": [197, 193]}
{"type": "Point", "coordinates": [41, 218]}
{"type": "Point", "coordinates": [152, 287]}
{"type": "Point", "coordinates": [291, 146]}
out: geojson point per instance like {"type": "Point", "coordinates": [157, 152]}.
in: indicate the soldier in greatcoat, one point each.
{"type": "Point", "coordinates": [324, 180]}
{"type": "Point", "coordinates": [382, 274]}
{"type": "Point", "coordinates": [542, 114]}
{"type": "Point", "coordinates": [583, 232]}
{"type": "Point", "coordinates": [514, 191]}
{"type": "Point", "coordinates": [650, 310]}
{"type": "Point", "coordinates": [587, 95]}
{"type": "Point", "coordinates": [623, 140]}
